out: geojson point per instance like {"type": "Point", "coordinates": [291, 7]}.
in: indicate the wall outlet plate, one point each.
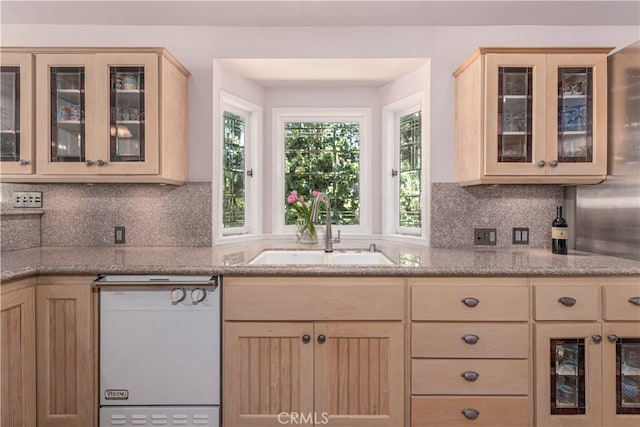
{"type": "Point", "coordinates": [520, 236]}
{"type": "Point", "coordinates": [484, 236]}
{"type": "Point", "coordinates": [27, 199]}
{"type": "Point", "coordinates": [119, 236]}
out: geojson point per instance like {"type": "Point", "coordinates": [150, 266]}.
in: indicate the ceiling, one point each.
{"type": "Point", "coordinates": [321, 13]}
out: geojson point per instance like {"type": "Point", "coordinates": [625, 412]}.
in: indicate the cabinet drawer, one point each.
{"type": "Point", "coordinates": [581, 303]}
{"type": "Point", "coordinates": [313, 298]}
{"type": "Point", "coordinates": [441, 376]}
{"type": "Point", "coordinates": [506, 411]}
{"type": "Point", "coordinates": [621, 302]}
{"type": "Point", "coordinates": [448, 303]}
{"type": "Point", "coordinates": [456, 340]}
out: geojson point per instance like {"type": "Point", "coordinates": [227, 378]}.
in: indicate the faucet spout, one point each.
{"type": "Point", "coordinates": [328, 237]}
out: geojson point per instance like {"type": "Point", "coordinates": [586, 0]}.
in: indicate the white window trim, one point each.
{"type": "Point", "coordinates": [390, 211]}
{"type": "Point", "coordinates": [253, 153]}
{"type": "Point", "coordinates": [358, 115]}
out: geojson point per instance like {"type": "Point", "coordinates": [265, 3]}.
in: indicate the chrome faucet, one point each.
{"type": "Point", "coordinates": [328, 237]}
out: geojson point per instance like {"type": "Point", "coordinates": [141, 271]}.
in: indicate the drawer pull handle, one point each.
{"type": "Point", "coordinates": [567, 301]}
{"type": "Point", "coordinates": [470, 376]}
{"type": "Point", "coordinates": [470, 414]}
{"type": "Point", "coordinates": [470, 302]}
{"type": "Point", "coordinates": [634, 300]}
{"type": "Point", "coordinates": [612, 338]}
{"type": "Point", "coordinates": [470, 339]}
{"type": "Point", "coordinates": [596, 339]}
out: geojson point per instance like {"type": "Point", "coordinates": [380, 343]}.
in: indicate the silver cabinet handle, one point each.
{"type": "Point", "coordinates": [470, 302]}
{"type": "Point", "coordinates": [634, 300]}
{"type": "Point", "coordinates": [554, 163]}
{"type": "Point", "coordinates": [100, 163]}
{"type": "Point", "coordinates": [23, 162]}
{"type": "Point", "coordinates": [470, 376]}
{"type": "Point", "coordinates": [470, 338]}
{"type": "Point", "coordinates": [567, 301]}
{"type": "Point", "coordinates": [88, 163]}
{"type": "Point", "coordinates": [612, 338]}
{"type": "Point", "coordinates": [470, 414]}
{"type": "Point", "coordinates": [542, 164]}
{"type": "Point", "coordinates": [178, 295]}
{"type": "Point", "coordinates": [596, 339]}
{"type": "Point", "coordinates": [198, 295]}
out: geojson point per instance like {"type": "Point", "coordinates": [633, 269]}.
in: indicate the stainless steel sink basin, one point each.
{"type": "Point", "coordinates": [276, 257]}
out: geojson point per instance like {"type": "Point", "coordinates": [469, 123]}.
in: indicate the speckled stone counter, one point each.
{"type": "Point", "coordinates": [235, 260]}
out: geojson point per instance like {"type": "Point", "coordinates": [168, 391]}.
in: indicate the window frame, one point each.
{"type": "Point", "coordinates": [391, 115]}
{"type": "Point", "coordinates": [252, 114]}
{"type": "Point", "coordinates": [362, 116]}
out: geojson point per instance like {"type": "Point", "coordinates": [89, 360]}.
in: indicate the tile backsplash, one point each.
{"type": "Point", "coordinates": [156, 215]}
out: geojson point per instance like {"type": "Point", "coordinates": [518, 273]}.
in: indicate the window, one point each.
{"type": "Point", "coordinates": [323, 150]}
{"type": "Point", "coordinates": [238, 154]}
{"type": "Point", "coordinates": [410, 172]}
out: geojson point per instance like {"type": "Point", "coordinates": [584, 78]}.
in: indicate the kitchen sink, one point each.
{"type": "Point", "coordinates": [304, 257]}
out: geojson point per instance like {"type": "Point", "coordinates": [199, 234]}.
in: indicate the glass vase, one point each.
{"type": "Point", "coordinates": [307, 232]}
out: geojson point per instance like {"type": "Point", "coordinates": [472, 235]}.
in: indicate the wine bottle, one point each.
{"type": "Point", "coordinates": [559, 233]}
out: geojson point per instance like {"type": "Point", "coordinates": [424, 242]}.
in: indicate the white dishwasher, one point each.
{"type": "Point", "coordinates": [159, 350]}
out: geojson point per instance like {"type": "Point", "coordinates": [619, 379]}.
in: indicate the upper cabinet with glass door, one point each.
{"type": "Point", "coordinates": [105, 115]}
{"type": "Point", "coordinates": [531, 115]}
{"type": "Point", "coordinates": [16, 110]}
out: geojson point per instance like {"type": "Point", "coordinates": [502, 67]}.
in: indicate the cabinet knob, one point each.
{"type": "Point", "coordinates": [470, 376]}
{"type": "Point", "coordinates": [88, 163]}
{"type": "Point", "coordinates": [306, 338]}
{"type": "Point", "coordinates": [542, 164]}
{"type": "Point", "coordinates": [596, 339]}
{"type": "Point", "coordinates": [470, 338]}
{"type": "Point", "coordinates": [567, 301]}
{"type": "Point", "coordinates": [321, 339]}
{"type": "Point", "coordinates": [178, 295]}
{"type": "Point", "coordinates": [470, 302]}
{"type": "Point", "coordinates": [23, 162]}
{"type": "Point", "coordinates": [634, 300]}
{"type": "Point", "coordinates": [554, 163]}
{"type": "Point", "coordinates": [100, 163]}
{"type": "Point", "coordinates": [612, 338]}
{"type": "Point", "coordinates": [470, 414]}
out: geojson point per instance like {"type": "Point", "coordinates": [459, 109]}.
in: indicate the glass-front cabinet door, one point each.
{"type": "Point", "coordinates": [576, 116]}
{"type": "Point", "coordinates": [621, 376]}
{"type": "Point", "coordinates": [16, 117]}
{"type": "Point", "coordinates": [569, 375]}
{"type": "Point", "coordinates": [97, 113]}
{"type": "Point", "coordinates": [515, 111]}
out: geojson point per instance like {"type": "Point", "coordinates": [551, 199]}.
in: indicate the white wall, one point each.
{"type": "Point", "coordinates": [195, 47]}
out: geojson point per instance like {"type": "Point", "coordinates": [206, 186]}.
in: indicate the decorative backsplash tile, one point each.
{"type": "Point", "coordinates": [19, 230]}
{"type": "Point", "coordinates": [456, 211]}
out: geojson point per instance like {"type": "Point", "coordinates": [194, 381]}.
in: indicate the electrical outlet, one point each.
{"type": "Point", "coordinates": [119, 235]}
{"type": "Point", "coordinates": [27, 199]}
{"type": "Point", "coordinates": [520, 236]}
{"type": "Point", "coordinates": [484, 236]}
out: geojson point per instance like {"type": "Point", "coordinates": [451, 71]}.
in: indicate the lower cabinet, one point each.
{"type": "Point", "coordinates": [53, 386]}
{"type": "Point", "coordinates": [18, 354]}
{"type": "Point", "coordinates": [301, 367]}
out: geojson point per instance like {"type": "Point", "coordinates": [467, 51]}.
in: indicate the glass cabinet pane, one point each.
{"type": "Point", "coordinates": [67, 114]}
{"type": "Point", "coordinates": [515, 103]}
{"type": "Point", "coordinates": [10, 113]}
{"type": "Point", "coordinates": [127, 114]}
{"type": "Point", "coordinates": [628, 376]}
{"type": "Point", "coordinates": [575, 114]}
{"type": "Point", "coordinates": [567, 376]}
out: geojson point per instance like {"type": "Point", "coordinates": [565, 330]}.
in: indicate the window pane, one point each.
{"type": "Point", "coordinates": [410, 170]}
{"type": "Point", "coordinates": [234, 158]}
{"type": "Point", "coordinates": [324, 156]}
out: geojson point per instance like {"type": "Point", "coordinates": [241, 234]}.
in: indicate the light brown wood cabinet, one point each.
{"type": "Point", "coordinates": [106, 115]}
{"type": "Point", "coordinates": [532, 115]}
{"type": "Point", "coordinates": [18, 354]}
{"type": "Point", "coordinates": [470, 351]}
{"type": "Point", "coordinates": [55, 385]}
{"type": "Point", "coordinates": [282, 363]}
{"type": "Point", "coordinates": [587, 363]}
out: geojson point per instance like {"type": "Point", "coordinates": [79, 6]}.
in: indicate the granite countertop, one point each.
{"type": "Point", "coordinates": [233, 259]}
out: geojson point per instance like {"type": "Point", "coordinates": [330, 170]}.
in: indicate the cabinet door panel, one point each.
{"type": "Point", "coordinates": [17, 358]}
{"type": "Point", "coordinates": [359, 373]}
{"type": "Point", "coordinates": [270, 372]}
